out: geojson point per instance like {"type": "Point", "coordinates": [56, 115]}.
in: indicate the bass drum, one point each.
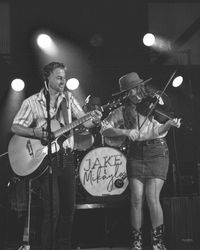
{"type": "Point", "coordinates": [102, 172]}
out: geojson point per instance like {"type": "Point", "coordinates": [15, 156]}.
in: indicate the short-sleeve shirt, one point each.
{"type": "Point", "coordinates": [33, 111]}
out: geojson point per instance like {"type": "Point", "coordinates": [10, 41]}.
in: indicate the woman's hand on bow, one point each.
{"type": "Point", "coordinates": [133, 134]}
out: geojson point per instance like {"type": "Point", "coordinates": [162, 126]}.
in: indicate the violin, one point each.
{"type": "Point", "coordinates": [161, 113]}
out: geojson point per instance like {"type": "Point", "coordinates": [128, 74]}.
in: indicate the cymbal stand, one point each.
{"type": "Point", "coordinates": [26, 236]}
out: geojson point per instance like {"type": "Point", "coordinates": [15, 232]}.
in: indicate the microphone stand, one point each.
{"type": "Point", "coordinates": [50, 174]}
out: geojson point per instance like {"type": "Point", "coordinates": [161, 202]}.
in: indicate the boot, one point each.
{"type": "Point", "coordinates": [157, 238]}
{"type": "Point", "coordinates": [136, 239]}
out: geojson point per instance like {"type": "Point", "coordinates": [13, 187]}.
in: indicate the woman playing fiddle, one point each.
{"type": "Point", "coordinates": [147, 157]}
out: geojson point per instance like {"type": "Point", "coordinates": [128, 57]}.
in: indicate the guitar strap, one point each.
{"type": "Point", "coordinates": [64, 107]}
{"type": "Point", "coordinates": [65, 111]}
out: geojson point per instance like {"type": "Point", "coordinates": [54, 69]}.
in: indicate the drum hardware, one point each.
{"type": "Point", "coordinates": [119, 183]}
{"type": "Point", "coordinates": [26, 234]}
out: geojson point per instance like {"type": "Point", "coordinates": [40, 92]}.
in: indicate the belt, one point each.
{"type": "Point", "coordinates": [150, 142]}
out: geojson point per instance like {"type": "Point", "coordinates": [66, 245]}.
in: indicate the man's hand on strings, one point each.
{"type": "Point", "coordinates": [96, 114]}
{"type": "Point", "coordinates": [41, 133]}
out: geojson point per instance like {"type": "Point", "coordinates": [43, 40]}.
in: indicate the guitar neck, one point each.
{"type": "Point", "coordinates": [111, 105]}
{"type": "Point", "coordinates": [105, 106]}
{"type": "Point", "coordinates": [72, 125]}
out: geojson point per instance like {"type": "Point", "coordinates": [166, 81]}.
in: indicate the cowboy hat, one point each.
{"type": "Point", "coordinates": [130, 81]}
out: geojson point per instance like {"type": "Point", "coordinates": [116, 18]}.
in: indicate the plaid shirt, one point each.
{"type": "Point", "coordinates": [33, 112]}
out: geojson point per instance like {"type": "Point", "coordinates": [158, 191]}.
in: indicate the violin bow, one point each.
{"type": "Point", "coordinates": [159, 96]}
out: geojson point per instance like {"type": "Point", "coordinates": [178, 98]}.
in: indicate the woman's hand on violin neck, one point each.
{"type": "Point", "coordinates": [175, 122]}
{"type": "Point", "coordinates": [133, 134]}
{"type": "Point", "coordinates": [165, 127]}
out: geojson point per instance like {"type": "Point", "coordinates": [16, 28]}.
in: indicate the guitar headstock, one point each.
{"type": "Point", "coordinates": [96, 114]}
{"type": "Point", "coordinates": [113, 104]}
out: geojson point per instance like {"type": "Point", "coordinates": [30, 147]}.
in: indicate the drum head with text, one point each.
{"type": "Point", "coordinates": [102, 172]}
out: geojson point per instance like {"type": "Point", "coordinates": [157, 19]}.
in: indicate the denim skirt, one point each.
{"type": "Point", "coordinates": [148, 159]}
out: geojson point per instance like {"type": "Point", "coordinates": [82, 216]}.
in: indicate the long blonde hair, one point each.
{"type": "Point", "coordinates": [130, 115]}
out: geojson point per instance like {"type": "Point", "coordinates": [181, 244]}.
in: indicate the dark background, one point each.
{"type": "Point", "coordinates": [108, 37]}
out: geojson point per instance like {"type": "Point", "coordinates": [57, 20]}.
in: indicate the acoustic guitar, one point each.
{"type": "Point", "coordinates": [26, 154]}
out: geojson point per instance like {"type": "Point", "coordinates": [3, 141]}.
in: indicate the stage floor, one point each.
{"type": "Point", "coordinates": [183, 247]}
{"type": "Point", "coordinates": [105, 227]}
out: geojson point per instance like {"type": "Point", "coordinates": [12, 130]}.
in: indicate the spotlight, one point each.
{"type": "Point", "coordinates": [72, 84]}
{"type": "Point", "coordinates": [17, 85]}
{"type": "Point", "coordinates": [177, 81]}
{"type": "Point", "coordinates": [149, 39]}
{"type": "Point", "coordinates": [47, 44]}
{"type": "Point", "coordinates": [44, 41]}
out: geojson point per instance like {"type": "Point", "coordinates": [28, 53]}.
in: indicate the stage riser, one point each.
{"type": "Point", "coordinates": [109, 226]}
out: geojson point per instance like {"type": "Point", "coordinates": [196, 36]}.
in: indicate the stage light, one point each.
{"type": "Point", "coordinates": [47, 45]}
{"type": "Point", "coordinates": [72, 84]}
{"type": "Point", "coordinates": [157, 42]}
{"type": "Point", "coordinates": [149, 39]}
{"type": "Point", "coordinates": [177, 81]}
{"type": "Point", "coordinates": [44, 41]}
{"type": "Point", "coordinates": [17, 85]}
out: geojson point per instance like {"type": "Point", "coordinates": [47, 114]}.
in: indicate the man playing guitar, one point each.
{"type": "Point", "coordinates": [29, 126]}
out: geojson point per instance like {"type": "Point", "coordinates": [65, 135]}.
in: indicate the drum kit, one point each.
{"type": "Point", "coordinates": [100, 161]}
{"type": "Point", "coordinates": [100, 167]}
